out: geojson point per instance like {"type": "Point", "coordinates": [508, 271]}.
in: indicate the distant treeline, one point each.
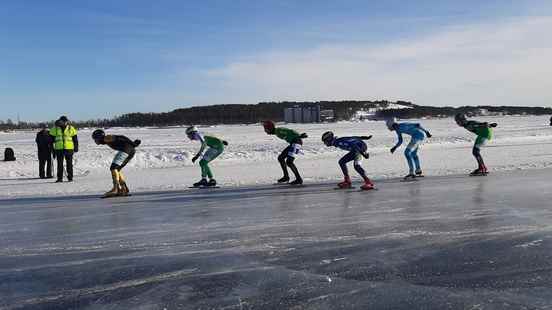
{"type": "Point", "coordinates": [247, 114]}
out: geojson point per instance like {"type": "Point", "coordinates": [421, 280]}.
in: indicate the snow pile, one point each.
{"type": "Point", "coordinates": [163, 161]}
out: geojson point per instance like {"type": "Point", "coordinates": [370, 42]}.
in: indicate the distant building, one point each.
{"type": "Point", "coordinates": [327, 115]}
{"type": "Point", "coordinates": [302, 114]}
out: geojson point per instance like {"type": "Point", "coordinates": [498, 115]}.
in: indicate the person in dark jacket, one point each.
{"type": "Point", "coordinates": [44, 145]}
{"type": "Point", "coordinates": [65, 143]}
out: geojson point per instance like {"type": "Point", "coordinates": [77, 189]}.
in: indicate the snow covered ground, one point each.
{"type": "Point", "coordinates": [163, 161]}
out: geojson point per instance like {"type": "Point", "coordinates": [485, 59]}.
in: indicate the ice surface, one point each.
{"type": "Point", "coordinates": [163, 161]}
{"type": "Point", "coordinates": [446, 242]}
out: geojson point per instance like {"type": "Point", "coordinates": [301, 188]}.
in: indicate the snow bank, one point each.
{"type": "Point", "coordinates": [163, 161]}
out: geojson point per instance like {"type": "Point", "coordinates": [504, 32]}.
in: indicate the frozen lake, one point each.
{"type": "Point", "coordinates": [444, 242]}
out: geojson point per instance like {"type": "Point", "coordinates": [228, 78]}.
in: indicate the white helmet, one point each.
{"type": "Point", "coordinates": [389, 122]}
{"type": "Point", "coordinates": [190, 130]}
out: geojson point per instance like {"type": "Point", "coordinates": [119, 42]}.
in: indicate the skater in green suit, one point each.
{"type": "Point", "coordinates": [214, 146]}
{"type": "Point", "coordinates": [484, 133]}
{"type": "Point", "coordinates": [287, 157]}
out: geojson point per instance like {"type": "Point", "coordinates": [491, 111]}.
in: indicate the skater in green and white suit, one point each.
{"type": "Point", "coordinates": [214, 146]}
{"type": "Point", "coordinates": [287, 157]}
{"type": "Point", "coordinates": [484, 133]}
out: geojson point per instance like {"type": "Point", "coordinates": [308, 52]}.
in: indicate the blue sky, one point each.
{"type": "Point", "coordinates": [95, 59]}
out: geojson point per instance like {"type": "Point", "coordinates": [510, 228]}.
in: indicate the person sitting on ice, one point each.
{"type": "Point", "coordinates": [416, 131]}
{"type": "Point", "coordinates": [215, 147]}
{"type": "Point", "coordinates": [484, 133]}
{"type": "Point", "coordinates": [287, 157]}
{"type": "Point", "coordinates": [357, 150]}
{"type": "Point", "coordinates": [126, 149]}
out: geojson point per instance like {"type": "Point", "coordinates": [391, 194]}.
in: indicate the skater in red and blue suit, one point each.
{"type": "Point", "coordinates": [357, 151]}
{"type": "Point", "coordinates": [418, 134]}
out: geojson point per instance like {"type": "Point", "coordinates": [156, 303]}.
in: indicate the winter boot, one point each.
{"type": "Point", "coordinates": [409, 177]}
{"type": "Point", "coordinates": [284, 179]}
{"type": "Point", "coordinates": [419, 173]}
{"type": "Point", "coordinates": [212, 182]}
{"type": "Point", "coordinates": [346, 183]}
{"type": "Point", "coordinates": [202, 182]}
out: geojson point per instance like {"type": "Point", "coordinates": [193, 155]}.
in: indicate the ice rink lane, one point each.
{"type": "Point", "coordinates": [452, 242]}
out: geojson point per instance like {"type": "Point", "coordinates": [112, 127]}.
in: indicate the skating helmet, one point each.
{"type": "Point", "coordinates": [269, 127]}
{"type": "Point", "coordinates": [98, 135]}
{"type": "Point", "coordinates": [328, 138]}
{"type": "Point", "coordinates": [389, 122]}
{"type": "Point", "coordinates": [460, 119]}
{"type": "Point", "coordinates": [191, 130]}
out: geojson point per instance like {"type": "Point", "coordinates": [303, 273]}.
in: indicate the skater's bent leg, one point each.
{"type": "Point", "coordinates": [477, 154]}
{"type": "Point", "coordinates": [209, 156]}
{"type": "Point", "coordinates": [282, 160]}
{"type": "Point", "coordinates": [344, 161]}
{"type": "Point", "coordinates": [409, 160]}
{"type": "Point", "coordinates": [205, 170]}
{"type": "Point", "coordinates": [416, 159]}
{"type": "Point", "coordinates": [360, 170]}
{"type": "Point", "coordinates": [116, 180]}
{"type": "Point", "coordinates": [290, 162]}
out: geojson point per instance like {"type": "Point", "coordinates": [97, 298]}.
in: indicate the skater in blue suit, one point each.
{"type": "Point", "coordinates": [418, 134]}
{"type": "Point", "coordinates": [357, 151]}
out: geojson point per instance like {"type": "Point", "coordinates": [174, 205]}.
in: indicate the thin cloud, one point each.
{"type": "Point", "coordinates": [499, 63]}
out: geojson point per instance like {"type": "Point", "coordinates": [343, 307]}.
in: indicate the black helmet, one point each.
{"type": "Point", "coordinates": [98, 135]}
{"type": "Point", "coordinates": [460, 119]}
{"type": "Point", "coordinates": [328, 138]}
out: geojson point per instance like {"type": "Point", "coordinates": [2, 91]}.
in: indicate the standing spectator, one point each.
{"type": "Point", "coordinates": [65, 145]}
{"type": "Point", "coordinates": [44, 145]}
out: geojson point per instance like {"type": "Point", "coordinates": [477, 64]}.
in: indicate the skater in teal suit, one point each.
{"type": "Point", "coordinates": [418, 134]}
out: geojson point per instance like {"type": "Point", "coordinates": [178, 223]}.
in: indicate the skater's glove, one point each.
{"type": "Point", "coordinates": [428, 134]}
{"type": "Point", "coordinates": [493, 125]}
{"type": "Point", "coordinates": [393, 150]}
{"type": "Point", "coordinates": [225, 143]}
{"type": "Point", "coordinates": [303, 136]}
{"type": "Point", "coordinates": [195, 158]}
{"type": "Point", "coordinates": [365, 155]}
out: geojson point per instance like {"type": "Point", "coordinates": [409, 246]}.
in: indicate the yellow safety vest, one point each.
{"type": "Point", "coordinates": [63, 139]}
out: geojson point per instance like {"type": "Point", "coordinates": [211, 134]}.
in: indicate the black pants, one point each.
{"type": "Point", "coordinates": [289, 161]}
{"type": "Point", "coordinates": [68, 156]}
{"type": "Point", "coordinates": [45, 166]}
